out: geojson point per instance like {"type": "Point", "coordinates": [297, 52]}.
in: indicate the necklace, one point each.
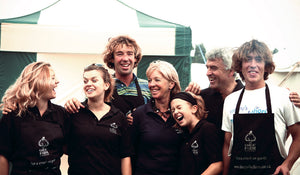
{"type": "Point", "coordinates": [165, 114]}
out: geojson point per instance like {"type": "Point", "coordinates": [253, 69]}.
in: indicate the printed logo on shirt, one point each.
{"type": "Point", "coordinates": [178, 130]}
{"type": "Point", "coordinates": [243, 109]}
{"type": "Point", "coordinates": [252, 110]}
{"type": "Point", "coordinates": [43, 143]}
{"type": "Point", "coordinates": [194, 147]}
{"type": "Point", "coordinates": [113, 128]}
{"type": "Point", "coordinates": [249, 146]}
{"type": "Point", "coordinates": [257, 110]}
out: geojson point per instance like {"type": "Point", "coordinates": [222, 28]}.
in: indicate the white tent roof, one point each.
{"type": "Point", "coordinates": [78, 26]}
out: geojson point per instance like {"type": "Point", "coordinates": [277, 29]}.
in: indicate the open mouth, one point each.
{"type": "Point", "coordinates": [90, 90]}
{"type": "Point", "coordinates": [154, 91]}
{"type": "Point", "coordinates": [125, 65]}
{"type": "Point", "coordinates": [252, 72]}
{"type": "Point", "coordinates": [179, 118]}
{"type": "Point", "coordinates": [211, 79]}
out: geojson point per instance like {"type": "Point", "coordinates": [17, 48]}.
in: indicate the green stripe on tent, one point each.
{"type": "Point", "coordinates": [11, 65]}
{"type": "Point", "coordinates": [28, 19]}
{"type": "Point", "coordinates": [0, 34]}
{"type": "Point", "coordinates": [183, 34]}
{"type": "Point", "coordinates": [149, 21]}
{"type": "Point", "coordinates": [183, 44]}
{"type": "Point", "coordinates": [181, 64]}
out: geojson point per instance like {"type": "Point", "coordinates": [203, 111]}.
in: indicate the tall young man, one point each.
{"type": "Point", "coordinates": [258, 118]}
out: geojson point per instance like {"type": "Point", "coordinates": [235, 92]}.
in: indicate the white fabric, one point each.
{"type": "Point", "coordinates": [285, 112]}
{"type": "Point", "coordinates": [18, 8]}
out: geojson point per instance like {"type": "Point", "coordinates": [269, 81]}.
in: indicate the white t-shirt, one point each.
{"type": "Point", "coordinates": [254, 101]}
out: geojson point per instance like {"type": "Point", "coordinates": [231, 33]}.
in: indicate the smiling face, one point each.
{"type": "Point", "coordinates": [159, 86]}
{"type": "Point", "coordinates": [217, 74]}
{"type": "Point", "coordinates": [184, 113]}
{"type": "Point", "coordinates": [94, 86]}
{"type": "Point", "coordinates": [50, 93]}
{"type": "Point", "coordinates": [124, 60]}
{"type": "Point", "coordinates": [253, 69]}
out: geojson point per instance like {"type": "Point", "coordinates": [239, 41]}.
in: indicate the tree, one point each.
{"type": "Point", "coordinates": [200, 52]}
{"type": "Point", "coordinates": [275, 51]}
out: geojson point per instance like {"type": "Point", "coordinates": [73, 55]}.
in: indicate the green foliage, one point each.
{"type": "Point", "coordinates": [199, 56]}
{"type": "Point", "coordinates": [275, 51]}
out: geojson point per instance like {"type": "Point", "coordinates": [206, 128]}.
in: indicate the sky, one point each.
{"type": "Point", "coordinates": [230, 23]}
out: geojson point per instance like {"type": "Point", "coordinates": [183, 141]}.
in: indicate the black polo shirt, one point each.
{"type": "Point", "coordinates": [97, 146]}
{"type": "Point", "coordinates": [156, 142]}
{"type": "Point", "coordinates": [200, 149]}
{"type": "Point", "coordinates": [214, 104]}
{"type": "Point", "coordinates": [34, 144]}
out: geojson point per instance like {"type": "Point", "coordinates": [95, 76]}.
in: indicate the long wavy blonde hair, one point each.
{"type": "Point", "coordinates": [33, 83]}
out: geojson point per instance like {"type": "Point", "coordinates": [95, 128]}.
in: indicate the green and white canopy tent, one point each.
{"type": "Point", "coordinates": [71, 34]}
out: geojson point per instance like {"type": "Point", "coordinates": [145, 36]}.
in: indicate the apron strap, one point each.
{"type": "Point", "coordinates": [269, 107]}
{"type": "Point", "coordinates": [121, 103]}
{"type": "Point", "coordinates": [268, 101]}
{"type": "Point", "coordinates": [237, 108]}
{"type": "Point", "coordinates": [138, 88]}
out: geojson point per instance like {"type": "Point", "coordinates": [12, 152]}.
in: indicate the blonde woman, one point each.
{"type": "Point", "coordinates": [155, 139]}
{"type": "Point", "coordinates": [32, 136]}
{"type": "Point", "coordinates": [201, 151]}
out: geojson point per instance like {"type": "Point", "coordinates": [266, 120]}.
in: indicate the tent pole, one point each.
{"type": "Point", "coordinates": [297, 64]}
